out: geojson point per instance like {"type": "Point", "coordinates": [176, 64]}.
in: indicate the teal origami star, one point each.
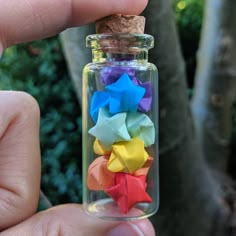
{"type": "Point", "coordinates": [140, 125]}
{"type": "Point", "coordinates": [110, 129]}
{"type": "Point", "coordinates": [124, 95]}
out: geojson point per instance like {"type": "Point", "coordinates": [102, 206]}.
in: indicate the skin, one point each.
{"type": "Point", "coordinates": [19, 125]}
{"type": "Point", "coordinates": [36, 19]}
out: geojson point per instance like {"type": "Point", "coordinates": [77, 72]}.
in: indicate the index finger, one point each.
{"type": "Point", "coordinates": [33, 19]}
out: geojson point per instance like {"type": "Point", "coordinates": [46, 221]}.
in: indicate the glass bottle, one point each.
{"type": "Point", "coordinates": [120, 128]}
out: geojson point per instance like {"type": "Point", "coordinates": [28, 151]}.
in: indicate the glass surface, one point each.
{"type": "Point", "coordinates": [112, 63]}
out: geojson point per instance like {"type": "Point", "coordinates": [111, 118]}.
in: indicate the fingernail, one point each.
{"type": "Point", "coordinates": [126, 229]}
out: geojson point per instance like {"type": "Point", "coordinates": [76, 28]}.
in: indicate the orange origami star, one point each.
{"type": "Point", "coordinates": [99, 177]}
{"type": "Point", "coordinates": [144, 170]}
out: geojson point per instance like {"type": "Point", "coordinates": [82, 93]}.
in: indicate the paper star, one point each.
{"type": "Point", "coordinates": [140, 125]}
{"type": "Point", "coordinates": [127, 156]}
{"type": "Point", "coordinates": [110, 74]}
{"type": "Point", "coordinates": [110, 129]}
{"type": "Point", "coordinates": [144, 170]}
{"type": "Point", "coordinates": [103, 160]}
{"type": "Point", "coordinates": [124, 95]}
{"type": "Point", "coordinates": [146, 102]}
{"type": "Point", "coordinates": [128, 191]}
{"type": "Point", "coordinates": [100, 149]}
{"type": "Point", "coordinates": [99, 99]}
{"type": "Point", "coordinates": [99, 177]}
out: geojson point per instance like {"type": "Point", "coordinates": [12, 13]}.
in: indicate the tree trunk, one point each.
{"type": "Point", "coordinates": [190, 198]}
{"type": "Point", "coordinates": [215, 82]}
{"type": "Point", "coordinates": [76, 54]}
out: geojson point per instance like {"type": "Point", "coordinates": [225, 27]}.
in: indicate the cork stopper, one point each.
{"type": "Point", "coordinates": [118, 23]}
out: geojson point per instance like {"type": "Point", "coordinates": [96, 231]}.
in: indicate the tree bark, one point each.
{"type": "Point", "coordinates": [190, 197]}
{"type": "Point", "coordinates": [76, 53]}
{"type": "Point", "coordinates": [215, 82]}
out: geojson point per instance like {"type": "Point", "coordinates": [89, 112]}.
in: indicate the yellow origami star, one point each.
{"type": "Point", "coordinates": [127, 156]}
{"type": "Point", "coordinates": [99, 148]}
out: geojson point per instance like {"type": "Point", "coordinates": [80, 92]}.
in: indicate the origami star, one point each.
{"type": "Point", "coordinates": [110, 74]}
{"type": "Point", "coordinates": [140, 125]}
{"type": "Point", "coordinates": [99, 177]}
{"type": "Point", "coordinates": [110, 129]}
{"type": "Point", "coordinates": [146, 102]}
{"type": "Point", "coordinates": [100, 149]}
{"type": "Point", "coordinates": [144, 170]}
{"type": "Point", "coordinates": [127, 156]}
{"type": "Point", "coordinates": [124, 95]}
{"type": "Point", "coordinates": [99, 99]}
{"type": "Point", "coordinates": [103, 160]}
{"type": "Point", "coordinates": [128, 191]}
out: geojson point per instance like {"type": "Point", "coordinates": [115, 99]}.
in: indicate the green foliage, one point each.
{"type": "Point", "coordinates": [189, 14]}
{"type": "Point", "coordinates": [39, 69]}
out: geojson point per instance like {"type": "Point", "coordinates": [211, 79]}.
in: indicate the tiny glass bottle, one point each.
{"type": "Point", "coordinates": [120, 128]}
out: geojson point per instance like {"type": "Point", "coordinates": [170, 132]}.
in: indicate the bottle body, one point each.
{"type": "Point", "coordinates": [120, 134]}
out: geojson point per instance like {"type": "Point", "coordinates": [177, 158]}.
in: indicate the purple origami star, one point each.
{"type": "Point", "coordinates": [146, 102]}
{"type": "Point", "coordinates": [110, 75]}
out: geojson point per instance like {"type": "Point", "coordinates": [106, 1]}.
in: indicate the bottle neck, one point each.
{"type": "Point", "coordinates": [120, 48]}
{"type": "Point", "coordinates": [114, 57]}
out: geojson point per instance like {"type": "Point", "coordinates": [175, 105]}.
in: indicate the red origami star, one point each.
{"type": "Point", "coordinates": [128, 190]}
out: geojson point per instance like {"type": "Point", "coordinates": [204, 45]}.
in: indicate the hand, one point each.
{"type": "Point", "coordinates": [28, 20]}
{"type": "Point", "coordinates": [19, 125]}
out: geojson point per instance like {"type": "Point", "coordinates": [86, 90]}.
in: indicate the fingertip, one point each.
{"type": "Point", "coordinates": [101, 227]}
{"type": "Point", "coordinates": [129, 7]}
{"type": "Point", "coordinates": [146, 227]}
{"type": "Point", "coordinates": [83, 12]}
{"type": "Point", "coordinates": [42, 18]}
{"type": "Point", "coordinates": [70, 219]}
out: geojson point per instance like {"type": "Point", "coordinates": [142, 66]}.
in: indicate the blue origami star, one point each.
{"type": "Point", "coordinates": [110, 129]}
{"type": "Point", "coordinates": [121, 96]}
{"type": "Point", "coordinates": [124, 95]}
{"type": "Point", "coordinates": [99, 99]}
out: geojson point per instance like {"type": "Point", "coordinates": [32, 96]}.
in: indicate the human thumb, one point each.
{"type": "Point", "coordinates": [70, 220]}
